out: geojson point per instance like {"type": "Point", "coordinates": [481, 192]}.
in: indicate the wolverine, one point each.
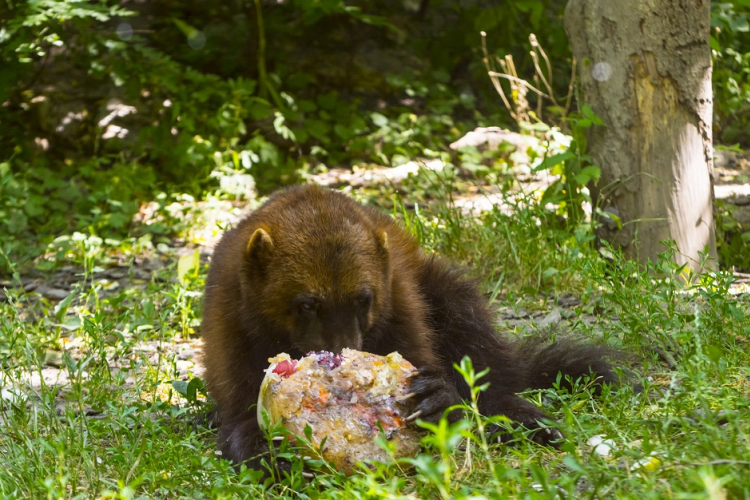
{"type": "Point", "coordinates": [313, 270]}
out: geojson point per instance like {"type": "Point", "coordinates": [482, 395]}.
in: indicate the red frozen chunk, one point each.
{"type": "Point", "coordinates": [286, 367]}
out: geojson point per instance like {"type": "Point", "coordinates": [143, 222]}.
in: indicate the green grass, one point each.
{"type": "Point", "coordinates": [115, 430]}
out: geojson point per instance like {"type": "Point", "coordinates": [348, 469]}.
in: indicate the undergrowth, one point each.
{"type": "Point", "coordinates": [130, 135]}
{"type": "Point", "coordinates": [94, 404]}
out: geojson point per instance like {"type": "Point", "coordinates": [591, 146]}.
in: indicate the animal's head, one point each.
{"type": "Point", "coordinates": [323, 278]}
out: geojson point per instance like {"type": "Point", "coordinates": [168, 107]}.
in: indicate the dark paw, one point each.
{"type": "Point", "coordinates": [208, 419]}
{"type": "Point", "coordinates": [430, 394]}
{"type": "Point", "coordinates": [548, 436]}
{"type": "Point", "coordinates": [536, 432]}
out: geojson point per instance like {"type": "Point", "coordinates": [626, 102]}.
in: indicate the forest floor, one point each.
{"type": "Point", "coordinates": [108, 329]}
{"type": "Point", "coordinates": [134, 274]}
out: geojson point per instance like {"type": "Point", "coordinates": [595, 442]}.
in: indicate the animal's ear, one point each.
{"type": "Point", "coordinates": [381, 237]}
{"type": "Point", "coordinates": [259, 248]}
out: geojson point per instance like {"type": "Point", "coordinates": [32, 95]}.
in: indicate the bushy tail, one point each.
{"type": "Point", "coordinates": [573, 358]}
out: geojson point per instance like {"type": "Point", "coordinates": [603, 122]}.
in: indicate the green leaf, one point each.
{"type": "Point", "coordinates": [194, 386]}
{"type": "Point", "coordinates": [328, 101]}
{"type": "Point", "coordinates": [188, 263]}
{"type": "Point", "coordinates": [611, 216]}
{"type": "Point", "coordinates": [306, 106]}
{"type": "Point", "coordinates": [62, 307]}
{"type": "Point", "coordinates": [734, 147]}
{"type": "Point", "coordinates": [71, 323]}
{"type": "Point", "coordinates": [343, 131]}
{"type": "Point", "coordinates": [713, 353]}
{"type": "Point", "coordinates": [317, 128]}
{"type": "Point", "coordinates": [549, 272]}
{"type": "Point", "coordinates": [592, 172]}
{"type": "Point", "coordinates": [589, 113]}
{"type": "Point", "coordinates": [714, 43]}
{"type": "Point", "coordinates": [279, 124]}
{"type": "Point", "coordinates": [259, 108]}
{"type": "Point", "coordinates": [573, 464]}
{"type": "Point", "coordinates": [551, 161]}
{"type": "Point", "coordinates": [180, 386]}
{"type": "Point", "coordinates": [188, 390]}
{"type": "Point", "coordinates": [739, 24]}
{"type": "Point", "coordinates": [300, 134]}
{"type": "Point", "coordinates": [186, 29]}
{"type": "Point", "coordinates": [308, 433]}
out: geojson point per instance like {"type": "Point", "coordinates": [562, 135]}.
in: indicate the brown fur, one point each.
{"type": "Point", "coordinates": [312, 269]}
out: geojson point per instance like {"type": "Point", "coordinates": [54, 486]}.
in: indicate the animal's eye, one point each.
{"type": "Point", "coordinates": [305, 305]}
{"type": "Point", "coordinates": [307, 308]}
{"type": "Point", "coordinates": [364, 300]}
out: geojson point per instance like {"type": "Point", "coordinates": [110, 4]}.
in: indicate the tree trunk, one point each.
{"type": "Point", "coordinates": [646, 72]}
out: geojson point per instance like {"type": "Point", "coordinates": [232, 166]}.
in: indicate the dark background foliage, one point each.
{"type": "Point", "coordinates": [103, 104]}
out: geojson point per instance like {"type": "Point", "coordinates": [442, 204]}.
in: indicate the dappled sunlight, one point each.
{"type": "Point", "coordinates": [134, 135]}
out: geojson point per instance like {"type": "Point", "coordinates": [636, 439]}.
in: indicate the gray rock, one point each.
{"type": "Point", "coordinates": [741, 200]}
{"type": "Point", "coordinates": [551, 319]}
{"type": "Point", "coordinates": [53, 358]}
{"type": "Point", "coordinates": [568, 300]}
{"type": "Point", "coordinates": [116, 273]}
{"type": "Point", "coordinates": [726, 159]}
{"type": "Point", "coordinates": [491, 137]}
{"type": "Point", "coordinates": [51, 293]}
{"type": "Point", "coordinates": [514, 314]}
{"type": "Point", "coordinates": [742, 215]}
{"type": "Point", "coordinates": [731, 191]}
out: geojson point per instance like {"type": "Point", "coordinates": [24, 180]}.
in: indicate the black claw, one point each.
{"type": "Point", "coordinates": [430, 394]}
{"type": "Point", "coordinates": [545, 436]}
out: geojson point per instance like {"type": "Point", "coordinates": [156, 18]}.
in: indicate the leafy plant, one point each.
{"type": "Point", "coordinates": [732, 241]}
{"type": "Point", "coordinates": [574, 169]}
{"type": "Point", "coordinates": [730, 47]}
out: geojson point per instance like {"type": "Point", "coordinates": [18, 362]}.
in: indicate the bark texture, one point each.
{"type": "Point", "coordinates": [646, 71]}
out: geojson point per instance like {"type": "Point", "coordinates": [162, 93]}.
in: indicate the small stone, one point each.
{"type": "Point", "coordinates": [742, 215]}
{"type": "Point", "coordinates": [517, 314]}
{"type": "Point", "coordinates": [140, 274]}
{"type": "Point", "coordinates": [601, 446]}
{"type": "Point", "coordinates": [117, 273]}
{"type": "Point", "coordinates": [552, 319]}
{"type": "Point", "coordinates": [53, 358]}
{"type": "Point", "coordinates": [183, 366]}
{"type": "Point", "coordinates": [13, 396]}
{"type": "Point", "coordinates": [51, 293]}
{"type": "Point", "coordinates": [186, 354]}
{"type": "Point", "coordinates": [568, 300]}
{"type": "Point", "coordinates": [741, 200]}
